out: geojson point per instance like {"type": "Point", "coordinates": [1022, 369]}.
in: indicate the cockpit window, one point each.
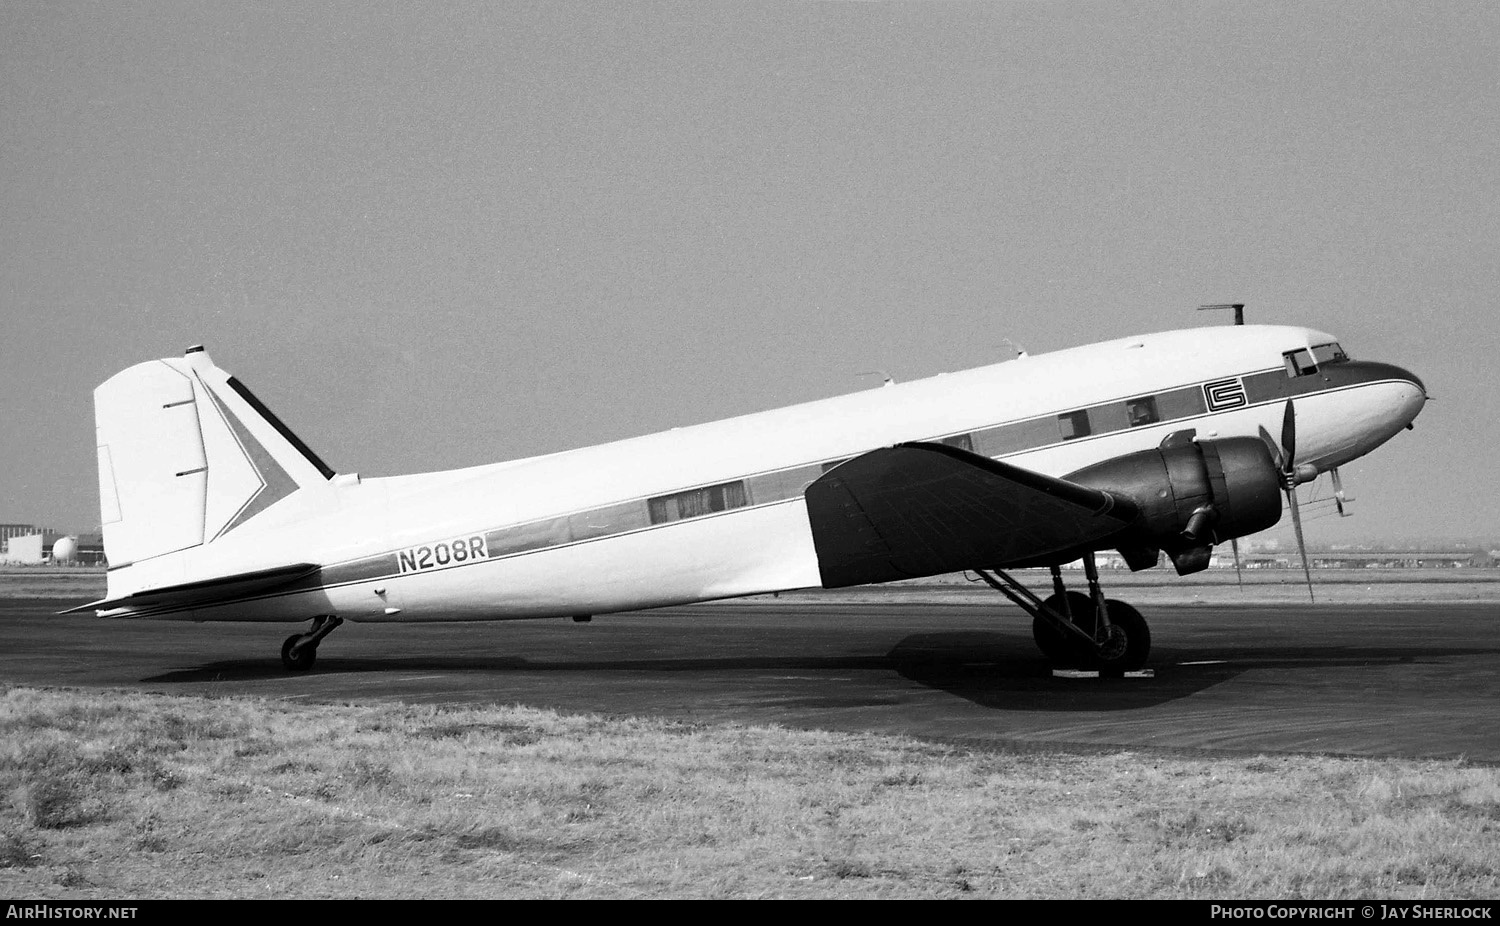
{"type": "Point", "coordinates": [1307, 360]}
{"type": "Point", "coordinates": [1329, 353]}
{"type": "Point", "coordinates": [1299, 362]}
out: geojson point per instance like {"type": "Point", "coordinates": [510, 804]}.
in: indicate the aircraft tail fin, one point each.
{"type": "Point", "coordinates": [187, 454]}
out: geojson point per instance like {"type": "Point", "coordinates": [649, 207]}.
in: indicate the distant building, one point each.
{"type": "Point", "coordinates": [26, 544]}
{"type": "Point", "coordinates": [25, 549]}
{"type": "Point", "coordinates": [1269, 557]}
{"type": "Point", "coordinates": [8, 531]}
{"type": "Point", "coordinates": [1374, 559]}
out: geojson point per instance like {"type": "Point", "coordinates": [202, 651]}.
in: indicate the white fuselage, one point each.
{"type": "Point", "coordinates": [578, 532]}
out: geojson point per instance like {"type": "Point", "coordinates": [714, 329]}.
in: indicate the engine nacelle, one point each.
{"type": "Point", "coordinates": [1191, 495]}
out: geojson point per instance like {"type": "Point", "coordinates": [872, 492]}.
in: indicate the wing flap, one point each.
{"type": "Point", "coordinates": [924, 509]}
{"type": "Point", "coordinates": [204, 592]}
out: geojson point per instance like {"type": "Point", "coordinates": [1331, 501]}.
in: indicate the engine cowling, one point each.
{"type": "Point", "coordinates": [1192, 495]}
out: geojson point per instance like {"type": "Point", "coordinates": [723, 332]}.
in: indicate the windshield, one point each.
{"type": "Point", "coordinates": [1307, 360]}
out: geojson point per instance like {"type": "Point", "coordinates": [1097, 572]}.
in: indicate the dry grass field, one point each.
{"type": "Point", "coordinates": [122, 795]}
{"type": "Point", "coordinates": [117, 795]}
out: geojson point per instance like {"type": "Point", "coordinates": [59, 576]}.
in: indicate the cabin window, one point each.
{"type": "Point", "coordinates": [1074, 424]}
{"type": "Point", "coordinates": [697, 502]}
{"type": "Point", "coordinates": [961, 441]}
{"type": "Point", "coordinates": [1142, 411]}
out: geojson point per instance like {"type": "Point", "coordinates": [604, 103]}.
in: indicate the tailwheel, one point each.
{"type": "Point", "coordinates": [298, 659]}
{"type": "Point", "coordinates": [300, 650]}
{"type": "Point", "coordinates": [1055, 644]}
{"type": "Point", "coordinates": [1127, 643]}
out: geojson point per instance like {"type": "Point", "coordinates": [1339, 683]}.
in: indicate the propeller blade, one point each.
{"type": "Point", "coordinates": [1289, 438]}
{"type": "Point", "coordinates": [1286, 458]}
{"type": "Point", "coordinates": [1239, 572]}
{"type": "Point", "coordinates": [1277, 456]}
{"type": "Point", "coordinates": [1291, 498]}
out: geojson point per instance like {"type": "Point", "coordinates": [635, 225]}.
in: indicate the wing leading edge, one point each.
{"type": "Point", "coordinates": [924, 509]}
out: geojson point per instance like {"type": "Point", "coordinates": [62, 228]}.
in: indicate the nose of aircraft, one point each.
{"type": "Point", "coordinates": [1412, 397]}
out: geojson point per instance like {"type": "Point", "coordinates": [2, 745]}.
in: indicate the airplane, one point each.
{"type": "Point", "coordinates": [1165, 443]}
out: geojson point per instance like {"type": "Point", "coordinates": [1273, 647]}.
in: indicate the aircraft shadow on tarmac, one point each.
{"type": "Point", "coordinates": [255, 669]}
{"type": "Point", "coordinates": [995, 673]}
{"type": "Point", "coordinates": [992, 670]}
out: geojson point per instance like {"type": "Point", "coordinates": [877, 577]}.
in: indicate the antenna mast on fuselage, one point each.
{"type": "Point", "coordinates": [1239, 310]}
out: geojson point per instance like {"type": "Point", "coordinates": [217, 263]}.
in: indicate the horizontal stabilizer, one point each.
{"type": "Point", "coordinates": [925, 509]}
{"type": "Point", "coordinates": [205, 592]}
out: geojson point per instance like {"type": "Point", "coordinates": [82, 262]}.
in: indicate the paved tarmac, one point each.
{"type": "Point", "coordinates": [1369, 680]}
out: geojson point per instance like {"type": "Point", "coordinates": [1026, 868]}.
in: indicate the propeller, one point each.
{"type": "Point", "coordinates": [1286, 456]}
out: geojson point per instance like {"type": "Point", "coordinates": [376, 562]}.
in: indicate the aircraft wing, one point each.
{"type": "Point", "coordinates": [923, 509]}
{"type": "Point", "coordinates": [208, 591]}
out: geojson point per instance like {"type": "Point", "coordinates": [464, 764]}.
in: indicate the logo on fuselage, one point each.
{"type": "Point", "coordinates": [1224, 393]}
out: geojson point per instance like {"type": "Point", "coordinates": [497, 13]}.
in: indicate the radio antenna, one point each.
{"type": "Point", "coordinates": [1239, 310]}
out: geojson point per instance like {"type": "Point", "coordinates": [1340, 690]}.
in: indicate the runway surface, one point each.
{"type": "Point", "coordinates": [1413, 681]}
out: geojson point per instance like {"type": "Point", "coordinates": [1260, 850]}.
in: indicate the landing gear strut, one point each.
{"type": "Point", "coordinates": [1078, 629]}
{"type": "Point", "coordinates": [301, 649]}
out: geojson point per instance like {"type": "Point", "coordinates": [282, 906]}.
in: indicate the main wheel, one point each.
{"type": "Point", "coordinates": [1129, 640]}
{"type": "Point", "coordinates": [1054, 644]}
{"type": "Point", "coordinates": [302, 659]}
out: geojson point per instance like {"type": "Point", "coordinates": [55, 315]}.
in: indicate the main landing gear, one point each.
{"type": "Point", "coordinates": [1075, 629]}
{"type": "Point", "coordinates": [301, 649]}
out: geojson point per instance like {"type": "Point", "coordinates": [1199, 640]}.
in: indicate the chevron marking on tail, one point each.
{"type": "Point", "coordinates": [242, 471]}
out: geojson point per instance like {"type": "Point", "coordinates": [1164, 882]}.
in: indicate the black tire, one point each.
{"type": "Point", "coordinates": [1128, 654]}
{"type": "Point", "coordinates": [302, 660]}
{"type": "Point", "coordinates": [1053, 643]}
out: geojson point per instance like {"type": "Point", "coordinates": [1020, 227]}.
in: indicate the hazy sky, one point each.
{"type": "Point", "coordinates": [440, 234]}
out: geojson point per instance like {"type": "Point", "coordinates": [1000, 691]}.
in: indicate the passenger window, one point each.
{"type": "Point", "coordinates": [1074, 425]}
{"type": "Point", "coordinates": [1142, 411]}
{"type": "Point", "coordinates": [697, 502]}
